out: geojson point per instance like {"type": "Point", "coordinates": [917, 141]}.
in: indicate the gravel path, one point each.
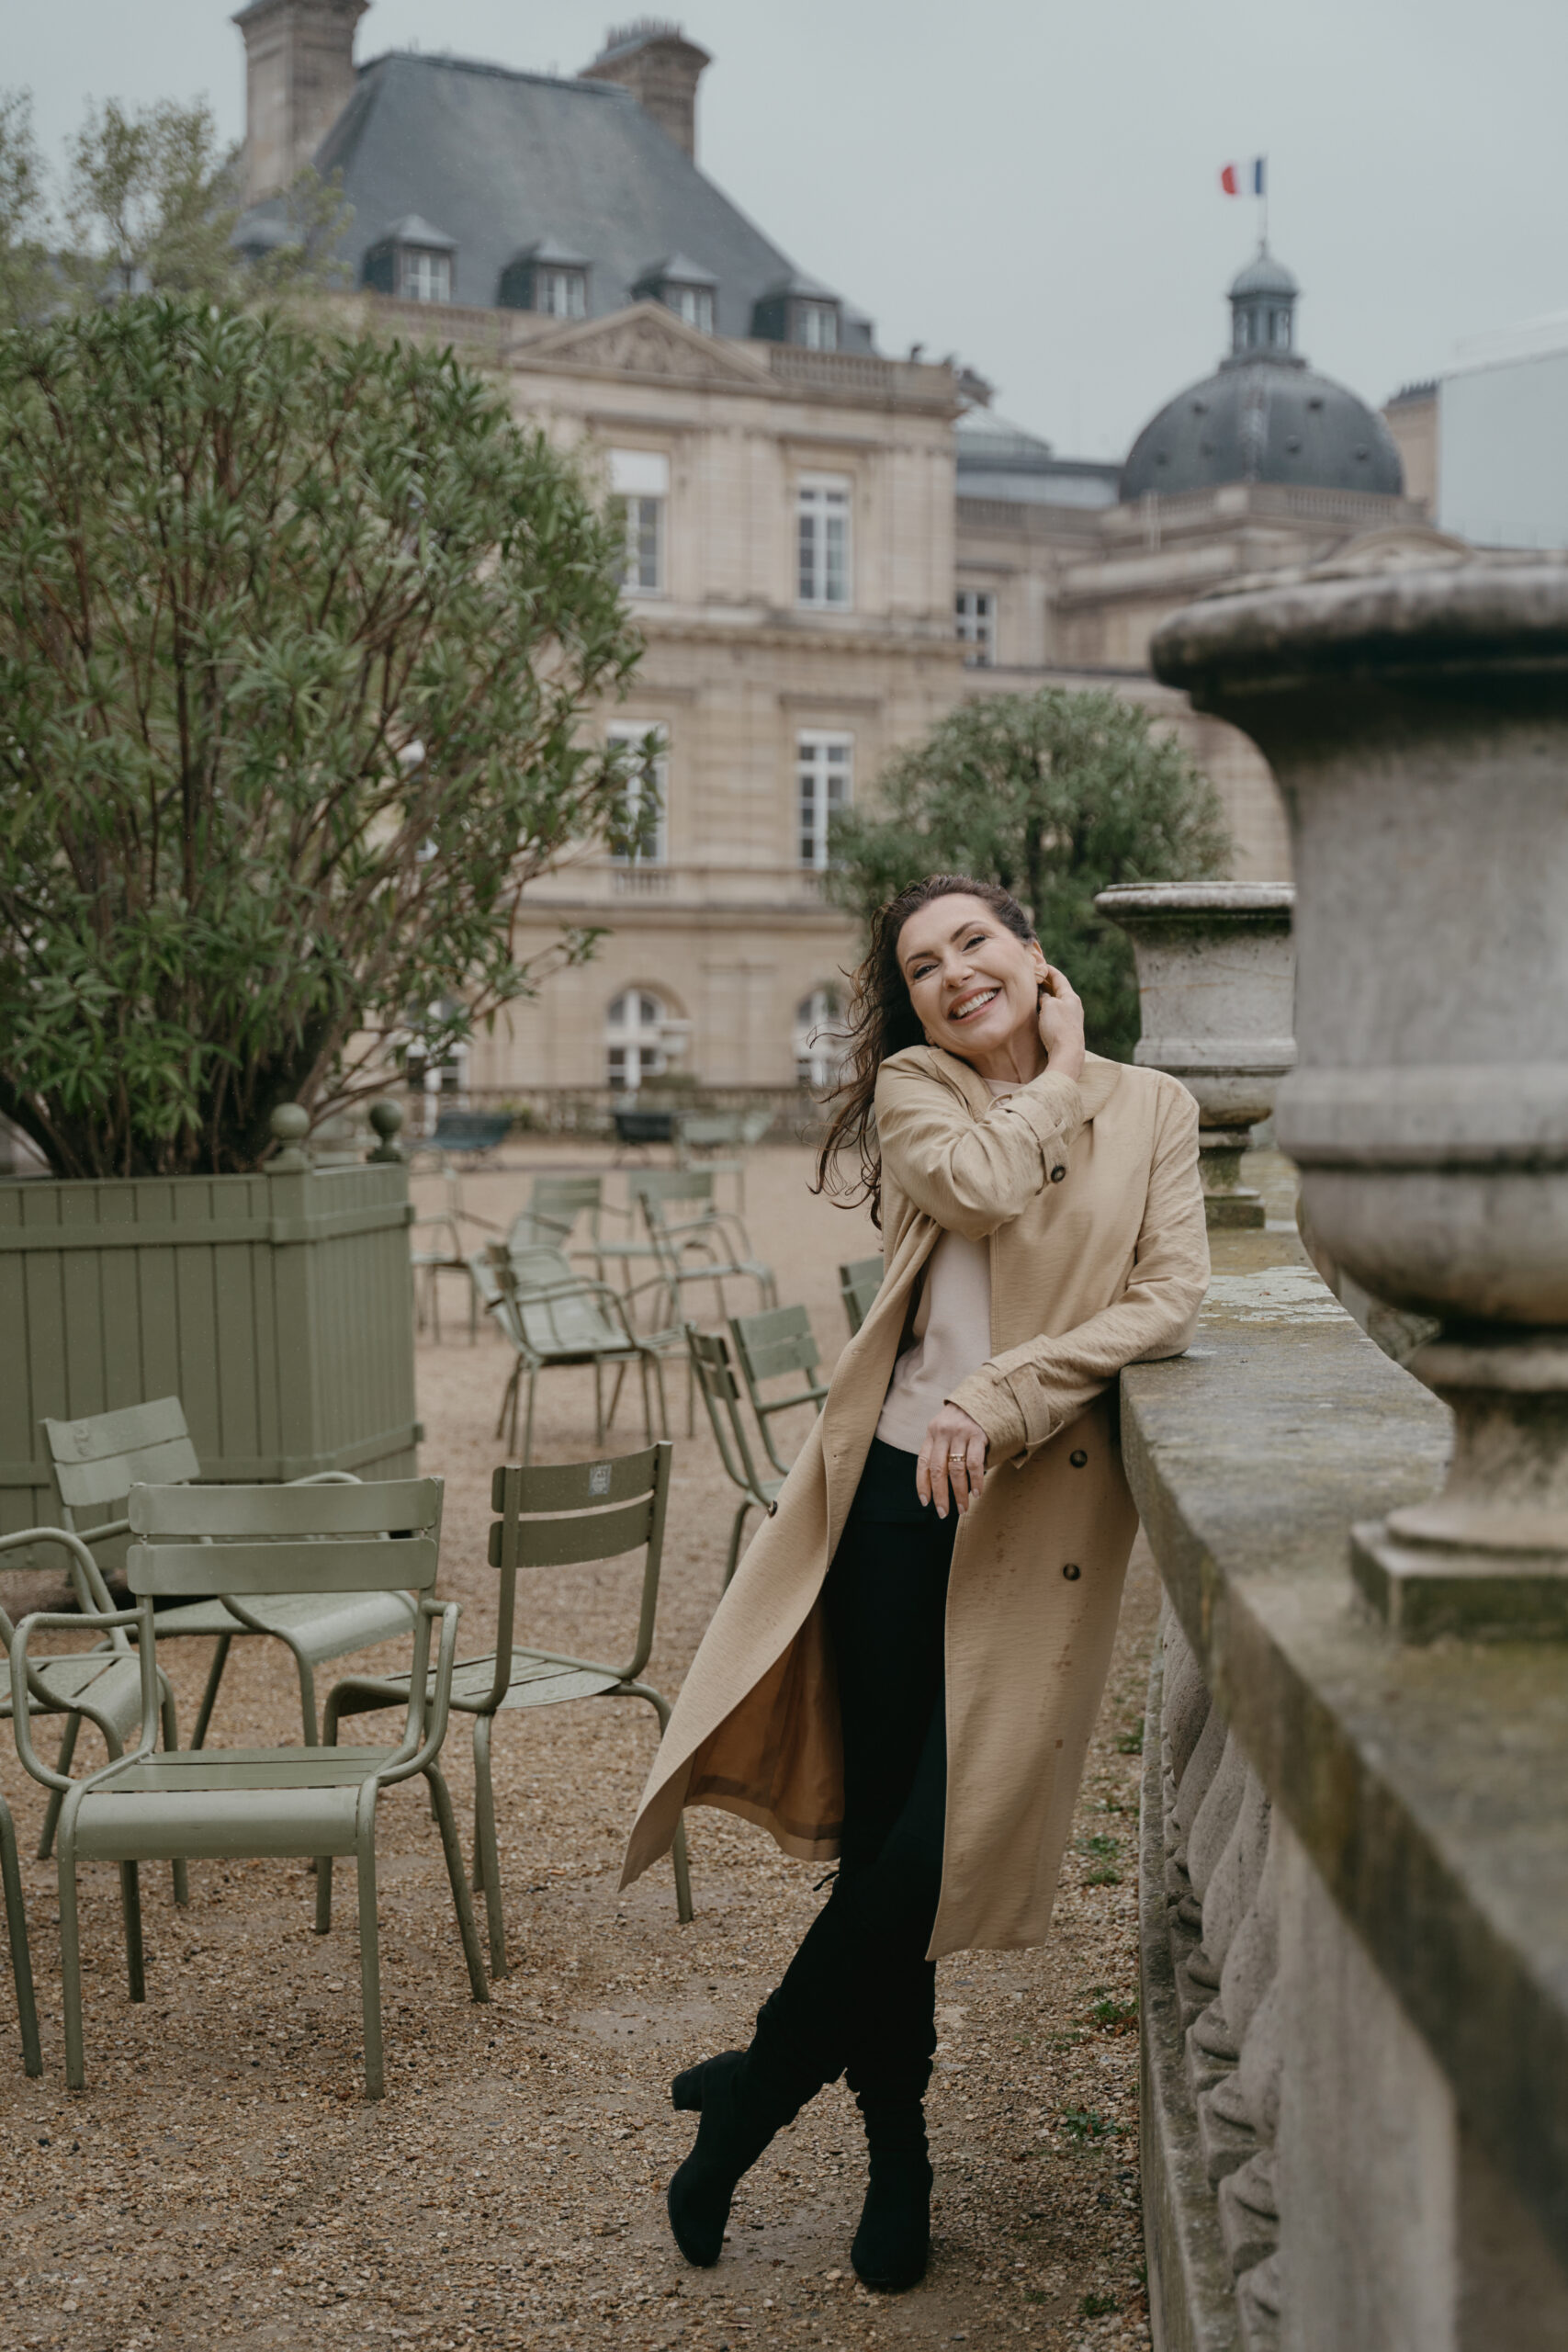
{"type": "Point", "coordinates": [223, 2179]}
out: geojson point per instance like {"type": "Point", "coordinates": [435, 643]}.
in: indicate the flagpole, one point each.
{"type": "Point", "coordinates": [1263, 200]}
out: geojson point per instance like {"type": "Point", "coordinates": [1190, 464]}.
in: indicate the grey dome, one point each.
{"type": "Point", "coordinates": [1264, 415]}
{"type": "Point", "coordinates": [1263, 275]}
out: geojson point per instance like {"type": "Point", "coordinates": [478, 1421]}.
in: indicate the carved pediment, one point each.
{"type": "Point", "coordinates": [645, 340]}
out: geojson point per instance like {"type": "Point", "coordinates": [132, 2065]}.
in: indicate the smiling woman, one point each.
{"type": "Point", "coordinates": [907, 1667]}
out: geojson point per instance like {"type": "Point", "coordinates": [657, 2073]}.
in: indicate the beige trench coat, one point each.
{"type": "Point", "coordinates": [1089, 1194]}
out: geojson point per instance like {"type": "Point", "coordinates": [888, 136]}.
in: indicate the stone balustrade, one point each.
{"type": "Point", "coordinates": [1354, 1875]}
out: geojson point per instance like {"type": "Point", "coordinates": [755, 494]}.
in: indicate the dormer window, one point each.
{"type": "Point", "coordinates": [547, 278]}
{"type": "Point", "coordinates": [799, 310]}
{"type": "Point", "coordinates": [684, 287]}
{"type": "Point", "coordinates": [414, 262]}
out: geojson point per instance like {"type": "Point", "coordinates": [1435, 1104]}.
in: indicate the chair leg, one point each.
{"type": "Point", "coordinates": [214, 1677]}
{"type": "Point", "coordinates": [71, 1964]}
{"type": "Point", "coordinates": [130, 1903]}
{"type": "Point", "coordinates": [57, 1796]}
{"type": "Point", "coordinates": [171, 1741]}
{"type": "Point", "coordinates": [451, 1846]}
{"type": "Point", "coordinates": [506, 1401]}
{"type": "Point", "coordinates": [683, 1910]}
{"type": "Point", "coordinates": [598, 1405]}
{"type": "Point", "coordinates": [17, 1933]}
{"type": "Point", "coordinates": [487, 1854]}
{"type": "Point", "coordinates": [369, 1948]}
{"type": "Point", "coordinates": [528, 1431]}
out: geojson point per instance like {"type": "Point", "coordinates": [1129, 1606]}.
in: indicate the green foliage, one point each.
{"type": "Point", "coordinates": [27, 279]}
{"type": "Point", "coordinates": [150, 202]}
{"type": "Point", "coordinates": [297, 636]}
{"type": "Point", "coordinates": [1086, 2123]}
{"type": "Point", "coordinates": [1098, 2306]}
{"type": "Point", "coordinates": [1055, 796]}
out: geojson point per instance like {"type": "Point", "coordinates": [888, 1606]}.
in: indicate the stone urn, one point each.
{"type": "Point", "coordinates": [1216, 986]}
{"type": "Point", "coordinates": [1417, 721]}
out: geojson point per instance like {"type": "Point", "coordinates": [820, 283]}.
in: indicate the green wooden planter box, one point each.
{"type": "Point", "coordinates": [278, 1307]}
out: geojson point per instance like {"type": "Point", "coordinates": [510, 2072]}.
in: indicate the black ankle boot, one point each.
{"type": "Point", "coordinates": [893, 2243]}
{"type": "Point", "coordinates": [739, 2119]}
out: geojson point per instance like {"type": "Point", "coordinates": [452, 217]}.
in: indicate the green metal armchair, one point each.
{"type": "Point", "coordinates": [96, 1462]}
{"type": "Point", "coordinates": [305, 1802]}
{"type": "Point", "coordinates": [554, 1515]}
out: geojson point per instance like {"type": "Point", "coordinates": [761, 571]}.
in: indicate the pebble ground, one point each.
{"type": "Point", "coordinates": [221, 2178]}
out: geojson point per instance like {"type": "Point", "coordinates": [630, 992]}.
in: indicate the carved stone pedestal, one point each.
{"type": "Point", "coordinates": [1215, 982]}
{"type": "Point", "coordinates": [1417, 721]}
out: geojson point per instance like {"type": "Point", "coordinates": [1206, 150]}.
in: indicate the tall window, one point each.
{"type": "Point", "coordinates": [639, 489]}
{"type": "Point", "coordinates": [819, 1039]}
{"type": "Point", "coordinates": [561, 293]}
{"type": "Point", "coordinates": [816, 325]}
{"type": "Point", "coordinates": [645, 810]}
{"type": "Point", "coordinates": [634, 1028]}
{"type": "Point", "coordinates": [425, 276]}
{"type": "Point", "coordinates": [824, 768]}
{"type": "Point", "coordinates": [822, 539]}
{"type": "Point", "coordinates": [976, 609]}
{"type": "Point", "coordinates": [693, 303]}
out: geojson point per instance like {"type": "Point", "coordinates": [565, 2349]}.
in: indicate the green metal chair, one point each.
{"type": "Point", "coordinates": [445, 1254]}
{"type": "Point", "coordinates": [553, 1316]}
{"type": "Point", "coordinates": [699, 1134]}
{"type": "Point", "coordinates": [555, 1515]}
{"type": "Point", "coordinates": [777, 1344]}
{"type": "Point", "coordinates": [721, 1391]}
{"type": "Point", "coordinates": [859, 1282]}
{"type": "Point", "coordinates": [98, 1460]}
{"type": "Point", "coordinates": [101, 1686]}
{"type": "Point", "coordinates": [303, 1802]}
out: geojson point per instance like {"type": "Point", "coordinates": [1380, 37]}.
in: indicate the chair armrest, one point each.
{"type": "Point", "coordinates": [440, 1695]}
{"type": "Point", "coordinates": [54, 1619]}
{"type": "Point", "coordinates": [92, 1594]}
{"type": "Point", "coordinates": [327, 1479]}
{"type": "Point", "coordinates": [101, 1535]}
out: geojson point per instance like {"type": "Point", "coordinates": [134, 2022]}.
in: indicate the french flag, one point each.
{"type": "Point", "coordinates": [1245, 179]}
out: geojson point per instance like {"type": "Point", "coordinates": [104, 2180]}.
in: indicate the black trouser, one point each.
{"type": "Point", "coordinates": [859, 1997]}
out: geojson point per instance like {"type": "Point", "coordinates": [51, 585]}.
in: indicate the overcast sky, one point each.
{"type": "Point", "coordinates": [1034, 185]}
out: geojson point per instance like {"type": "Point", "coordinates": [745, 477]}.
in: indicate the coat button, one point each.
{"type": "Point", "coordinates": [1072, 1572]}
{"type": "Point", "coordinates": [1058, 1174]}
{"type": "Point", "coordinates": [1078, 1459]}
{"type": "Point", "coordinates": [773, 1511]}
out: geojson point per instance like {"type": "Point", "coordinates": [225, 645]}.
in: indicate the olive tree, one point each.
{"type": "Point", "coordinates": [297, 636]}
{"type": "Point", "coordinates": [1055, 796]}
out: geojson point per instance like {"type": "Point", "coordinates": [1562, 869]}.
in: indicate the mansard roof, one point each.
{"type": "Point", "coordinates": [503, 159]}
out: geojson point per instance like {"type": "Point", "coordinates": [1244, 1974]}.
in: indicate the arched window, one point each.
{"type": "Point", "coordinates": [635, 1029]}
{"type": "Point", "coordinates": [820, 1039]}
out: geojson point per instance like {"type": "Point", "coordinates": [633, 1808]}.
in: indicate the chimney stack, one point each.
{"type": "Point", "coordinates": [661, 68]}
{"type": "Point", "coordinates": [299, 78]}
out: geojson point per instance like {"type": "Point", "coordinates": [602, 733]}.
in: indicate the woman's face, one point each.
{"type": "Point", "coordinates": [974, 984]}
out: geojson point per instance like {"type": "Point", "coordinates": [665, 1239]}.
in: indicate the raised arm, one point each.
{"type": "Point", "coordinates": [972, 1174]}
{"type": "Point", "coordinates": [1023, 1397]}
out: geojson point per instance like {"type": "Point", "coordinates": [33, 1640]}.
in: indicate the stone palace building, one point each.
{"type": "Point", "coordinates": [828, 548]}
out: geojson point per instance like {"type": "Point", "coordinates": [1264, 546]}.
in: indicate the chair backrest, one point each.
{"type": "Point", "coordinates": [662, 1185]}
{"type": "Point", "coordinates": [709, 1130]}
{"type": "Point", "coordinates": [554, 1205]}
{"type": "Point", "coordinates": [190, 1541]}
{"type": "Point", "coordinates": [557, 1515]}
{"type": "Point", "coordinates": [96, 1460]}
{"type": "Point", "coordinates": [771, 1345]}
{"type": "Point", "coordinates": [721, 1393]}
{"type": "Point", "coordinates": [859, 1282]}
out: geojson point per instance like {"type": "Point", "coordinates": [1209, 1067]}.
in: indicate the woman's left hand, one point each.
{"type": "Point", "coordinates": [953, 1458]}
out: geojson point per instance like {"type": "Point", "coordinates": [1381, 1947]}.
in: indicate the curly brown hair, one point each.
{"type": "Point", "coordinates": [882, 1022]}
